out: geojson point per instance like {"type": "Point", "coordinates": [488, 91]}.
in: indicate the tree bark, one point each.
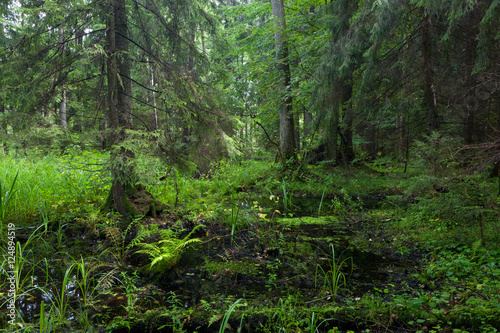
{"type": "Point", "coordinates": [296, 126]}
{"type": "Point", "coordinates": [342, 93]}
{"type": "Point", "coordinates": [333, 134]}
{"type": "Point", "coordinates": [286, 123]}
{"type": "Point", "coordinates": [119, 111]}
{"type": "Point", "coordinates": [62, 109]}
{"type": "Point", "coordinates": [62, 105]}
{"type": "Point", "coordinates": [428, 67]}
{"type": "Point", "coordinates": [401, 132]}
{"type": "Point", "coordinates": [347, 120]}
{"type": "Point", "coordinates": [470, 100]}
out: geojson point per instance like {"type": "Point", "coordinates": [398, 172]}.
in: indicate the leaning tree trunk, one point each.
{"type": "Point", "coordinates": [126, 197]}
{"type": "Point", "coordinates": [286, 125]}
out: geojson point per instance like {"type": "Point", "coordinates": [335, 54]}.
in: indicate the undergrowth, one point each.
{"type": "Point", "coordinates": [60, 187]}
{"type": "Point", "coordinates": [451, 217]}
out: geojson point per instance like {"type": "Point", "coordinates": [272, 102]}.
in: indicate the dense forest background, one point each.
{"type": "Point", "coordinates": [337, 82]}
{"type": "Point", "coordinates": [250, 165]}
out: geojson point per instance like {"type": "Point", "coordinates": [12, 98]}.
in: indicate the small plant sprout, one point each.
{"type": "Point", "coordinates": [321, 202]}
{"type": "Point", "coordinates": [45, 319]}
{"type": "Point", "coordinates": [225, 319]}
{"type": "Point", "coordinates": [333, 278]}
{"type": "Point", "coordinates": [42, 209]}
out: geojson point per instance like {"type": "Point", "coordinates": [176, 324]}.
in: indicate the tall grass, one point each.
{"type": "Point", "coordinates": [6, 201]}
{"type": "Point", "coordinates": [235, 210]}
{"type": "Point", "coordinates": [333, 277]}
{"type": "Point", "coordinates": [46, 319]}
{"type": "Point", "coordinates": [225, 319]}
{"type": "Point", "coordinates": [59, 295]}
{"type": "Point", "coordinates": [205, 194]}
{"type": "Point", "coordinates": [48, 186]}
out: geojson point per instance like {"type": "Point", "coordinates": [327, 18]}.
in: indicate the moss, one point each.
{"type": "Point", "coordinates": [310, 220]}
{"type": "Point", "coordinates": [136, 201]}
{"type": "Point", "coordinates": [129, 209]}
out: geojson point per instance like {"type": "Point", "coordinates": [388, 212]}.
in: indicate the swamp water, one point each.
{"type": "Point", "coordinates": [281, 265]}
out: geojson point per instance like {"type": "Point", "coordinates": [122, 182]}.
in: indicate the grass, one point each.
{"type": "Point", "coordinates": [209, 194]}
{"type": "Point", "coordinates": [6, 201]}
{"type": "Point", "coordinates": [24, 266]}
{"type": "Point", "coordinates": [46, 319]}
{"type": "Point", "coordinates": [84, 280]}
{"type": "Point", "coordinates": [225, 319]}
{"type": "Point", "coordinates": [49, 187]}
{"type": "Point", "coordinates": [333, 278]}
{"type": "Point", "coordinates": [460, 282]}
{"type": "Point", "coordinates": [233, 221]}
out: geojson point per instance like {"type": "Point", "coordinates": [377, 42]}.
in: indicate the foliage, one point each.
{"type": "Point", "coordinates": [436, 154]}
{"type": "Point", "coordinates": [464, 210]}
{"type": "Point", "coordinates": [200, 133]}
{"type": "Point", "coordinates": [167, 251]}
{"type": "Point", "coordinates": [333, 278]}
{"type": "Point", "coordinates": [6, 202]}
{"type": "Point", "coordinates": [66, 184]}
{"type": "Point", "coordinates": [225, 319]}
{"type": "Point", "coordinates": [456, 279]}
{"type": "Point", "coordinates": [46, 319]}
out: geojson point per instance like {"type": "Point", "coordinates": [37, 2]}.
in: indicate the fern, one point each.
{"type": "Point", "coordinates": [142, 234]}
{"type": "Point", "coordinates": [167, 251]}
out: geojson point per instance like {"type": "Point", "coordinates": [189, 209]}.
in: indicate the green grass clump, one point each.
{"type": "Point", "coordinates": [53, 186]}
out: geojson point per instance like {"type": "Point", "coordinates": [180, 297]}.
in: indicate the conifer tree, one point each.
{"type": "Point", "coordinates": [286, 122]}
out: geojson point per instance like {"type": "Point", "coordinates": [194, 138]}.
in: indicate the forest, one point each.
{"type": "Point", "coordinates": [250, 166]}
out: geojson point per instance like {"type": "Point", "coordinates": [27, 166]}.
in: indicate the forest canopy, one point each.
{"type": "Point", "coordinates": [335, 81]}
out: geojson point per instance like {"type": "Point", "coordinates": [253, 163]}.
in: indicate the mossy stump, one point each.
{"type": "Point", "coordinates": [132, 201]}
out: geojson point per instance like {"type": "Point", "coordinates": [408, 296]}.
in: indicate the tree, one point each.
{"type": "Point", "coordinates": [335, 82]}
{"type": "Point", "coordinates": [119, 110]}
{"type": "Point", "coordinates": [286, 122]}
{"type": "Point", "coordinates": [428, 68]}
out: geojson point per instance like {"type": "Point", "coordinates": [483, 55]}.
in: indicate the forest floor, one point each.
{"type": "Point", "coordinates": [258, 250]}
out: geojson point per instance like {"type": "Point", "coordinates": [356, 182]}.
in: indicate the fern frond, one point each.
{"type": "Point", "coordinates": [167, 251]}
{"type": "Point", "coordinates": [139, 238]}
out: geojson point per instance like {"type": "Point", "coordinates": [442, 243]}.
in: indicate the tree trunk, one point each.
{"type": "Point", "coordinates": [470, 100]}
{"type": "Point", "coordinates": [296, 126]}
{"type": "Point", "coordinates": [401, 132]}
{"type": "Point", "coordinates": [307, 126]}
{"type": "Point", "coordinates": [152, 100]}
{"type": "Point", "coordinates": [428, 67]}
{"type": "Point", "coordinates": [347, 119]}
{"type": "Point", "coordinates": [62, 109]}
{"type": "Point", "coordinates": [342, 91]}
{"type": "Point", "coordinates": [286, 125]}
{"type": "Point", "coordinates": [119, 111]}
{"type": "Point", "coordinates": [62, 105]}
{"type": "Point", "coordinates": [333, 133]}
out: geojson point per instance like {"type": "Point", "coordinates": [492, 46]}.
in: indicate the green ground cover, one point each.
{"type": "Point", "coordinates": [249, 247]}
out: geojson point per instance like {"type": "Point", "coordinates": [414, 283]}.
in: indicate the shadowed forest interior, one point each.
{"type": "Point", "coordinates": [250, 166]}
